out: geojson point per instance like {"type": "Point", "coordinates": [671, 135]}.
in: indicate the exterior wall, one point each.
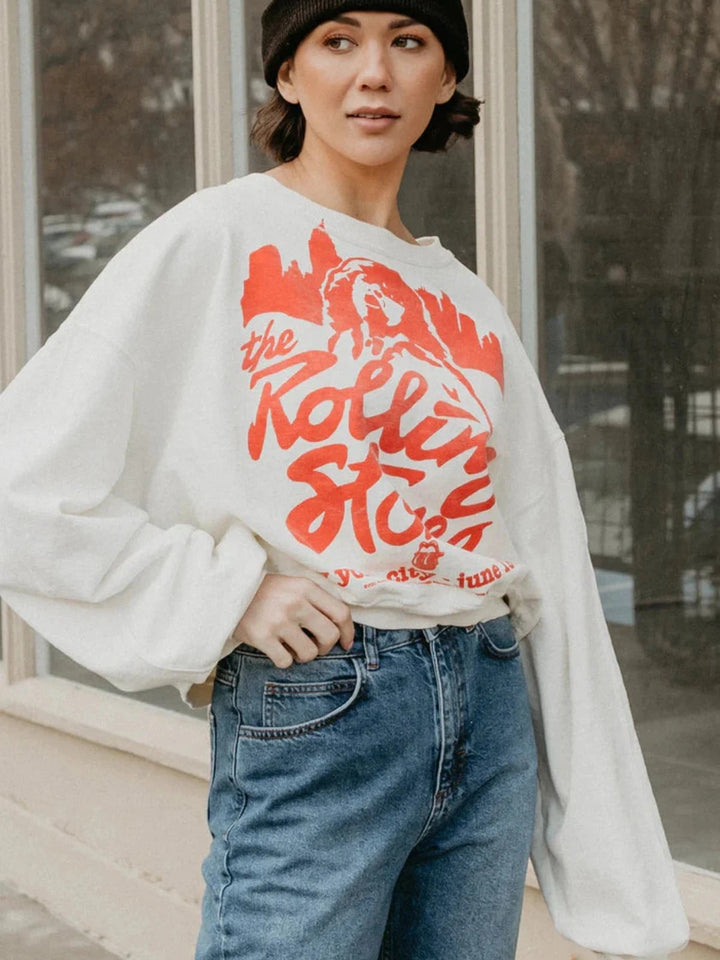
{"type": "Point", "coordinates": [109, 841]}
{"type": "Point", "coordinates": [113, 843]}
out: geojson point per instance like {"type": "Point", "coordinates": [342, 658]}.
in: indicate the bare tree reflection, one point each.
{"type": "Point", "coordinates": [629, 129]}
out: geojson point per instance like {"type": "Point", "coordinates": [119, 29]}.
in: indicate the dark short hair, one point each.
{"type": "Point", "coordinates": [278, 128]}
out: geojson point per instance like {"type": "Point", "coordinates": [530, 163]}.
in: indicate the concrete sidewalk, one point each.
{"type": "Point", "coordinates": [30, 932]}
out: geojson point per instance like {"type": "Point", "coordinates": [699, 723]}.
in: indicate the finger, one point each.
{"type": "Point", "coordinates": [334, 610]}
{"type": "Point", "coordinates": [301, 645]}
{"type": "Point", "coordinates": [325, 633]}
{"type": "Point", "coordinates": [277, 652]}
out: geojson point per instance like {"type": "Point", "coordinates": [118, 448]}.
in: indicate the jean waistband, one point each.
{"type": "Point", "coordinates": [369, 641]}
{"type": "Point", "coordinates": [383, 637]}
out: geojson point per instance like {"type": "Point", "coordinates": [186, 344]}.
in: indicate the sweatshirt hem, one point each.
{"type": "Point", "coordinates": [383, 618]}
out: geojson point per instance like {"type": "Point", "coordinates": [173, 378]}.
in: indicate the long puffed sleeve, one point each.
{"type": "Point", "coordinates": [125, 592]}
{"type": "Point", "coordinates": [599, 848]}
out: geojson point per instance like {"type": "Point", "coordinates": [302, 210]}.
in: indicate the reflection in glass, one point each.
{"type": "Point", "coordinates": [116, 132]}
{"type": "Point", "coordinates": [628, 166]}
{"type": "Point", "coordinates": [116, 150]}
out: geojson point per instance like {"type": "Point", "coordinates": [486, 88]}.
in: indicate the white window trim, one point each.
{"type": "Point", "coordinates": [527, 192]}
{"type": "Point", "coordinates": [18, 639]}
{"type": "Point", "coordinates": [212, 92]}
{"type": "Point", "coordinates": [496, 149]}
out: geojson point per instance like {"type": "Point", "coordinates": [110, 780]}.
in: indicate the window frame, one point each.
{"type": "Point", "coordinates": [496, 167]}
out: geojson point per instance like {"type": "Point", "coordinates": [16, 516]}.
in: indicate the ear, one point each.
{"type": "Point", "coordinates": [448, 84]}
{"type": "Point", "coordinates": [284, 82]}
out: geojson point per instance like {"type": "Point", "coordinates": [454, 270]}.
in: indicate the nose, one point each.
{"type": "Point", "coordinates": [374, 67]}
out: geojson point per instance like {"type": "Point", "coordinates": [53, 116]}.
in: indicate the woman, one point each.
{"type": "Point", "coordinates": [286, 456]}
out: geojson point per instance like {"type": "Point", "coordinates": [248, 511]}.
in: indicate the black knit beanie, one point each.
{"type": "Point", "coordinates": [286, 22]}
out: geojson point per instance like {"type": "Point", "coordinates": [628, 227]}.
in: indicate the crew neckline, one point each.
{"type": "Point", "coordinates": [428, 252]}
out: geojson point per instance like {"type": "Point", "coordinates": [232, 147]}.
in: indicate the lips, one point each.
{"type": "Point", "coordinates": [375, 114]}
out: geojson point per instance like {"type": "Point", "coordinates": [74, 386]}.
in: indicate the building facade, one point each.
{"type": "Point", "coordinates": [589, 200]}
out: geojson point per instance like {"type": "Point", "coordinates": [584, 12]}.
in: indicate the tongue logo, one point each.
{"type": "Point", "coordinates": [428, 556]}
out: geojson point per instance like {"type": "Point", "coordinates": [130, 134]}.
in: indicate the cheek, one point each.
{"type": "Point", "coordinates": [424, 103]}
{"type": "Point", "coordinates": [321, 113]}
{"type": "Point", "coordinates": [320, 97]}
{"type": "Point", "coordinates": [423, 87]}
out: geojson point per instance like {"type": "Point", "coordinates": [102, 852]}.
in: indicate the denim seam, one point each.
{"type": "Point", "coordinates": [499, 653]}
{"type": "Point", "coordinates": [273, 691]}
{"type": "Point", "coordinates": [435, 807]}
{"type": "Point", "coordinates": [249, 732]}
{"type": "Point", "coordinates": [242, 797]}
{"type": "Point", "coordinates": [460, 752]}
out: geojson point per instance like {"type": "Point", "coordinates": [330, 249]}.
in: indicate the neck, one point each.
{"type": "Point", "coordinates": [366, 193]}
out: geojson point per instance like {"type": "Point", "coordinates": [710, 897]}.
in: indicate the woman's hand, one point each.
{"type": "Point", "coordinates": [295, 613]}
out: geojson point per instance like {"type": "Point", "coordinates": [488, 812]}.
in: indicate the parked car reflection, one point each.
{"type": "Point", "coordinates": [76, 247]}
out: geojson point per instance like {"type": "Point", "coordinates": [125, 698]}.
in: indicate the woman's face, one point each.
{"type": "Point", "coordinates": [368, 59]}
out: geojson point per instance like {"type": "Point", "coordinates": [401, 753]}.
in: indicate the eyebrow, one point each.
{"type": "Point", "coordinates": [393, 25]}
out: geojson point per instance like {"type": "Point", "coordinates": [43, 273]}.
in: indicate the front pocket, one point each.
{"type": "Point", "coordinates": [274, 702]}
{"type": "Point", "coordinates": [499, 639]}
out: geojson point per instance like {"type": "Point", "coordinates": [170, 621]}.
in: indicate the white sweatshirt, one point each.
{"type": "Point", "coordinates": [257, 382]}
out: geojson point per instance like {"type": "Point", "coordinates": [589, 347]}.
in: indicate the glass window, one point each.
{"type": "Point", "coordinates": [627, 107]}
{"type": "Point", "coordinates": [116, 149]}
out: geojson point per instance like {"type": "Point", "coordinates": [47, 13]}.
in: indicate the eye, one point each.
{"type": "Point", "coordinates": [329, 40]}
{"type": "Point", "coordinates": [418, 40]}
{"type": "Point", "coordinates": [333, 41]}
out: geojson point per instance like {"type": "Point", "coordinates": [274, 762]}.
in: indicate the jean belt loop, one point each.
{"type": "Point", "coordinates": [371, 649]}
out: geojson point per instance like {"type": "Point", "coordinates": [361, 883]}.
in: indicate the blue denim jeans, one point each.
{"type": "Point", "coordinates": [375, 803]}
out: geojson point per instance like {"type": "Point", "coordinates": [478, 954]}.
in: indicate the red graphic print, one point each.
{"type": "Point", "coordinates": [428, 555]}
{"type": "Point", "coordinates": [397, 335]}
